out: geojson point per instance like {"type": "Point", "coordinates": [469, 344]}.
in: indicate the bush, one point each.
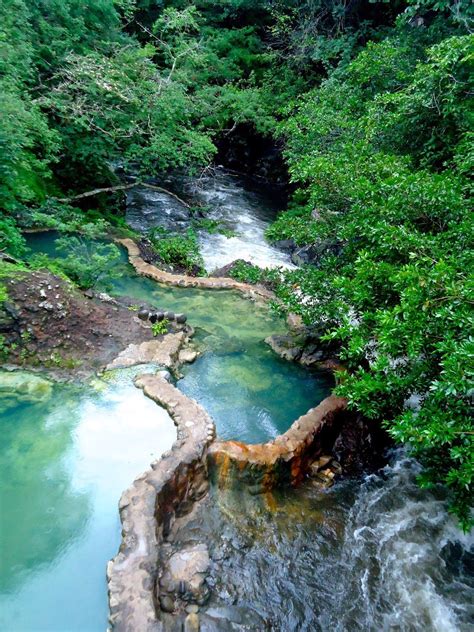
{"type": "Point", "coordinates": [178, 251]}
{"type": "Point", "coordinates": [398, 299]}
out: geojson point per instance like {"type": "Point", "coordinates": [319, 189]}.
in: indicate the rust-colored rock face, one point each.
{"type": "Point", "coordinates": [285, 460]}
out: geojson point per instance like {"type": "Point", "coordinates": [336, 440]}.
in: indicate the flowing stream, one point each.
{"type": "Point", "coordinates": [238, 204]}
{"type": "Point", "coordinates": [372, 554]}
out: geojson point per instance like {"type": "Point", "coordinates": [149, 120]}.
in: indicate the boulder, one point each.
{"type": "Point", "coordinates": [19, 386]}
{"type": "Point", "coordinates": [184, 577]}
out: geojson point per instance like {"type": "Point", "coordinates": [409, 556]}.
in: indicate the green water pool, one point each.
{"type": "Point", "coordinates": [65, 458]}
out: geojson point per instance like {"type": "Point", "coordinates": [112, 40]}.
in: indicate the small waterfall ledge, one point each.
{"type": "Point", "coordinates": [286, 459]}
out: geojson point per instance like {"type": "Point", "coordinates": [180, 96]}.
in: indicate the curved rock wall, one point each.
{"type": "Point", "coordinates": [150, 506]}
{"type": "Point", "coordinates": [286, 459]}
{"type": "Point", "coordinates": [181, 280]}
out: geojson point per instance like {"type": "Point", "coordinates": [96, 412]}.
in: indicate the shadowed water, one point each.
{"type": "Point", "coordinates": [373, 555]}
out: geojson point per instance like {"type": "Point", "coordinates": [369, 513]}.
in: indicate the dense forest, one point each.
{"type": "Point", "coordinates": [367, 106]}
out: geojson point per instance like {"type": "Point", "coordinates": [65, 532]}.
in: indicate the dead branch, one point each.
{"type": "Point", "coordinates": [123, 187]}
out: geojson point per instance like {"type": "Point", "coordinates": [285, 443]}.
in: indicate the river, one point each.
{"type": "Point", "coordinates": [374, 553]}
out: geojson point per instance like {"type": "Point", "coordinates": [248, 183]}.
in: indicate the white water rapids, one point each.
{"type": "Point", "coordinates": [240, 206]}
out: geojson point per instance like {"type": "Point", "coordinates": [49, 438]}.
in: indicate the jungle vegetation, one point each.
{"type": "Point", "coordinates": [370, 103]}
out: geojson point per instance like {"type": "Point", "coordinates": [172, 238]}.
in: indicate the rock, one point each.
{"type": "Point", "coordinates": [284, 346]}
{"type": "Point", "coordinates": [192, 608]}
{"type": "Point", "coordinates": [166, 375]}
{"type": "Point", "coordinates": [319, 464]}
{"type": "Point", "coordinates": [187, 355]}
{"type": "Point", "coordinates": [185, 575]}
{"type": "Point", "coordinates": [143, 314]}
{"type": "Point", "coordinates": [169, 315]}
{"type": "Point", "coordinates": [181, 318]}
{"type": "Point", "coordinates": [162, 351]}
{"type": "Point", "coordinates": [191, 623]}
{"type": "Point", "coordinates": [153, 317]}
{"type": "Point", "coordinates": [312, 253]}
{"type": "Point", "coordinates": [19, 386]}
{"type": "Point", "coordinates": [167, 603]}
{"type": "Point", "coordinates": [284, 244]}
{"type": "Point", "coordinates": [160, 316]}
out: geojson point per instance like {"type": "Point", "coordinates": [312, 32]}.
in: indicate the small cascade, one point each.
{"type": "Point", "coordinates": [241, 208]}
{"type": "Point", "coordinates": [244, 209]}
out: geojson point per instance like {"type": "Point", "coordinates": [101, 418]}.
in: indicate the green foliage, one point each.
{"type": "Point", "coordinates": [373, 104]}
{"type": "Point", "coordinates": [213, 226]}
{"type": "Point", "coordinates": [11, 239]}
{"type": "Point", "coordinates": [160, 327]}
{"type": "Point", "coordinates": [87, 263]}
{"type": "Point", "coordinates": [246, 272]}
{"type": "Point", "coordinates": [178, 250]}
{"type": "Point", "coordinates": [398, 296]}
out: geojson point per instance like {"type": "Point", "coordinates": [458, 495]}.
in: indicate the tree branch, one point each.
{"type": "Point", "coordinates": [123, 187]}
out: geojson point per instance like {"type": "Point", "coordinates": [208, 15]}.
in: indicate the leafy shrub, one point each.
{"type": "Point", "coordinates": [181, 251]}
{"type": "Point", "coordinates": [398, 299]}
{"type": "Point", "coordinates": [160, 327]}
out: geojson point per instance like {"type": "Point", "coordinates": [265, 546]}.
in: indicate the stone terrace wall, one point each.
{"type": "Point", "coordinates": [149, 507]}
{"type": "Point", "coordinates": [286, 459]}
{"type": "Point", "coordinates": [181, 280]}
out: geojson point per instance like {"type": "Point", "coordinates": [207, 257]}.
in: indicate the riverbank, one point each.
{"type": "Point", "coordinates": [48, 323]}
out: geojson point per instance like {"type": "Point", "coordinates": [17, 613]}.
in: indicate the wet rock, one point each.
{"type": "Point", "coordinates": [284, 244]}
{"type": "Point", "coordinates": [181, 318]}
{"type": "Point", "coordinates": [284, 346]}
{"type": "Point", "coordinates": [187, 355]}
{"type": "Point", "coordinates": [185, 575]}
{"type": "Point", "coordinates": [160, 316]}
{"type": "Point", "coordinates": [319, 464]}
{"type": "Point", "coordinates": [143, 314]}
{"type": "Point", "coordinates": [191, 623]}
{"type": "Point", "coordinates": [153, 318]}
{"type": "Point", "coordinates": [169, 315]}
{"type": "Point", "coordinates": [232, 618]}
{"type": "Point", "coordinates": [312, 253]}
{"type": "Point", "coordinates": [19, 386]}
{"type": "Point", "coordinates": [166, 375]}
{"type": "Point", "coordinates": [167, 604]}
